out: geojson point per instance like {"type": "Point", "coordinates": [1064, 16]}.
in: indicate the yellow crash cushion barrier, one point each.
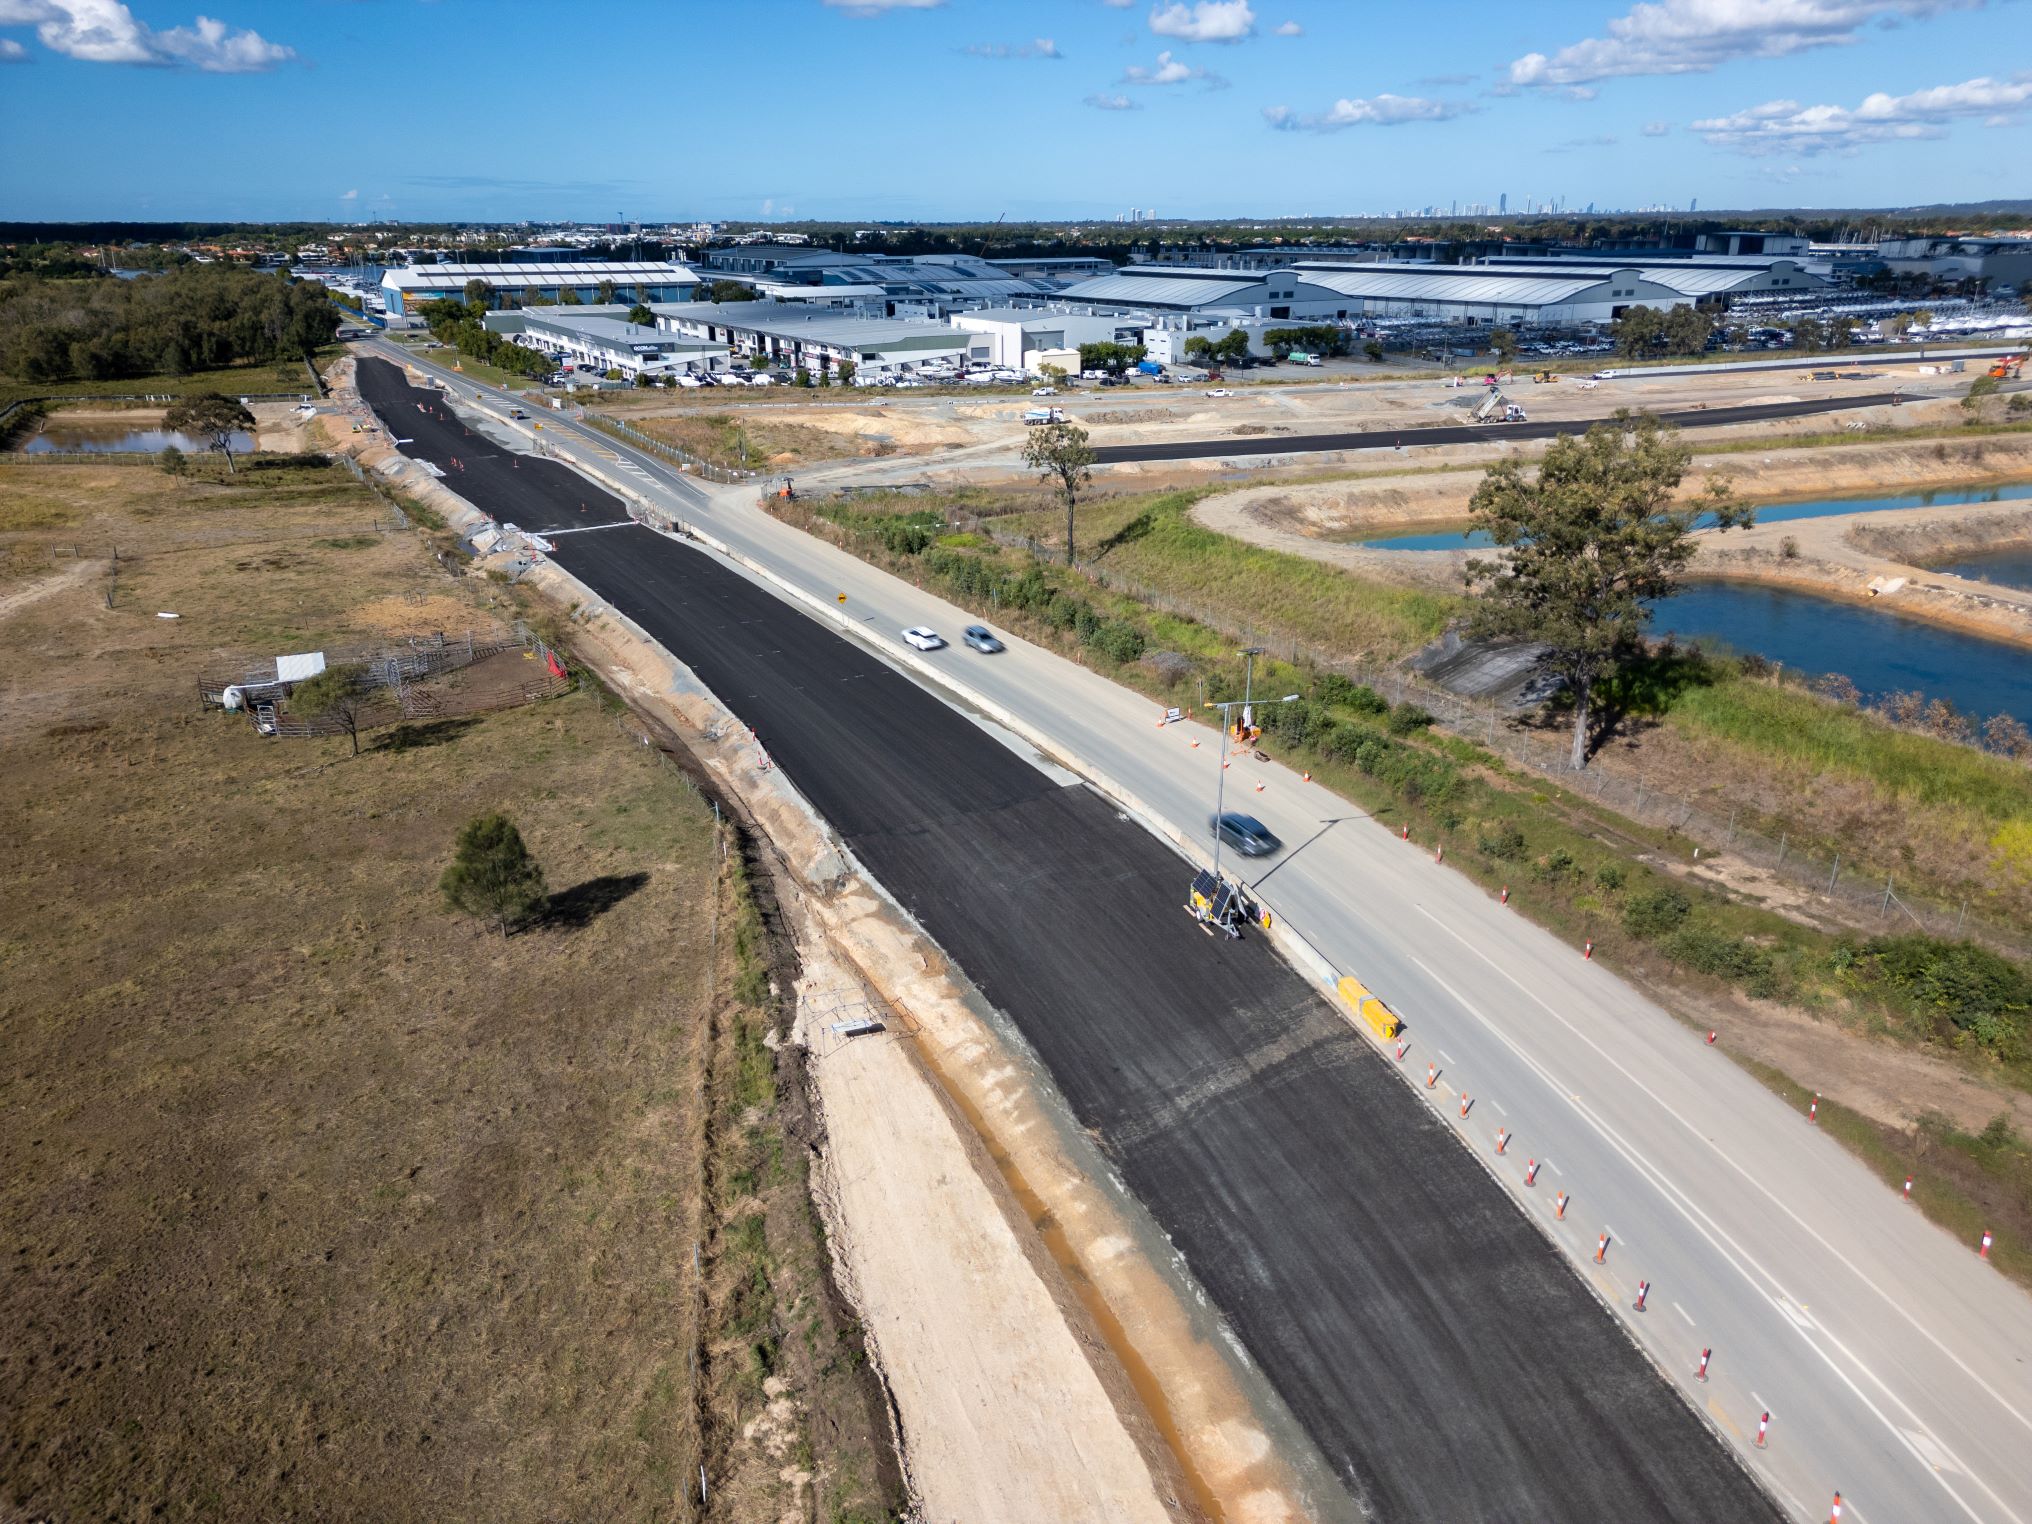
{"type": "Point", "coordinates": [1382, 1020]}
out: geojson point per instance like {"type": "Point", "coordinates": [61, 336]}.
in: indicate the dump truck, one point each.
{"type": "Point", "coordinates": [1038, 415]}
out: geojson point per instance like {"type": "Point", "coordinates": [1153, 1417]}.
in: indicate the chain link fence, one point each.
{"type": "Point", "coordinates": [663, 447]}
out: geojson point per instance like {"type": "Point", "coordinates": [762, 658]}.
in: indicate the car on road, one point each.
{"type": "Point", "coordinates": [1220, 391]}
{"type": "Point", "coordinates": [925, 640]}
{"type": "Point", "coordinates": [982, 639]}
{"type": "Point", "coordinates": [1044, 391]}
{"type": "Point", "coordinates": [1245, 833]}
{"type": "Point", "coordinates": [517, 413]}
{"type": "Point", "coordinates": [1603, 375]}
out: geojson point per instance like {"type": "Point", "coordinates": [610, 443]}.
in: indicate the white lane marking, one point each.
{"type": "Point", "coordinates": [1785, 1306]}
{"type": "Point", "coordinates": [1689, 1321]}
{"type": "Point", "coordinates": [1444, 1055]}
{"type": "Point", "coordinates": [1551, 1166]}
{"type": "Point", "coordinates": [1762, 1405]}
{"type": "Point", "coordinates": [1754, 1183]}
{"type": "Point", "coordinates": [1738, 1258]}
{"type": "Point", "coordinates": [1929, 1448]}
{"type": "Point", "coordinates": [1499, 1108]}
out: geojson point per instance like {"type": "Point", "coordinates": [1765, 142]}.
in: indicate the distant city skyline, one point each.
{"type": "Point", "coordinates": [935, 110]}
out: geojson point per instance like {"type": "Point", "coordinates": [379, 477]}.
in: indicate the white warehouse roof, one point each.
{"type": "Point", "coordinates": [437, 277]}
{"type": "Point", "coordinates": [1533, 288]}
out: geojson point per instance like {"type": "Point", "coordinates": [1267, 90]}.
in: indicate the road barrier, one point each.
{"type": "Point", "coordinates": [1559, 1206]}
{"type": "Point", "coordinates": [1464, 1104]}
{"type": "Point", "coordinates": [1984, 1251]}
{"type": "Point", "coordinates": [1383, 1021]}
{"type": "Point", "coordinates": [1602, 1249]}
{"type": "Point", "coordinates": [1530, 1171]}
{"type": "Point", "coordinates": [1705, 1356]}
{"type": "Point", "coordinates": [1763, 1429]}
{"type": "Point", "coordinates": [1643, 1291]}
{"type": "Point", "coordinates": [1813, 1110]}
{"type": "Point", "coordinates": [1502, 1139]}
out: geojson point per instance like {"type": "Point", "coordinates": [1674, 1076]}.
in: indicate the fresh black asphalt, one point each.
{"type": "Point", "coordinates": [1466, 433]}
{"type": "Point", "coordinates": [1438, 1350]}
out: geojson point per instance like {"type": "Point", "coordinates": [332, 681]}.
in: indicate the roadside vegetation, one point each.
{"type": "Point", "coordinates": [1578, 869]}
{"type": "Point", "coordinates": [302, 1162]}
{"type": "Point", "coordinates": [754, 441]}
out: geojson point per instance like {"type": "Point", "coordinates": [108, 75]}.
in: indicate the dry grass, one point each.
{"type": "Point", "coordinates": [319, 1201]}
{"type": "Point", "coordinates": [719, 438]}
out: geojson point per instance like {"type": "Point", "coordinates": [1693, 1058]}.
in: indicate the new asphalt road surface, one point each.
{"type": "Point", "coordinates": [1893, 1362]}
{"type": "Point", "coordinates": [1483, 433]}
{"type": "Point", "coordinates": [1437, 1349]}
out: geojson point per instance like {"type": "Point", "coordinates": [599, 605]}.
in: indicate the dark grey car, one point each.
{"type": "Point", "coordinates": [1245, 833]}
{"type": "Point", "coordinates": [982, 639]}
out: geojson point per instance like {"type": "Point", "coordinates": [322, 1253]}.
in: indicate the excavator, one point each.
{"type": "Point", "coordinates": [2010, 368]}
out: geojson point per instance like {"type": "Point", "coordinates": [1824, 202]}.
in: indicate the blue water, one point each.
{"type": "Point", "coordinates": [1878, 650]}
{"type": "Point", "coordinates": [2006, 568]}
{"type": "Point", "coordinates": [1773, 513]}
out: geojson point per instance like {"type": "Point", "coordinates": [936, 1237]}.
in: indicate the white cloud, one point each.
{"type": "Point", "coordinates": [1786, 127]}
{"type": "Point", "coordinates": [1205, 21]}
{"type": "Point", "coordinates": [1657, 129]}
{"type": "Point", "coordinates": [1169, 71]}
{"type": "Point", "coordinates": [1290, 29]}
{"type": "Point", "coordinates": [1041, 47]}
{"type": "Point", "coordinates": [1374, 111]}
{"type": "Point", "coordinates": [351, 195]}
{"type": "Point", "coordinates": [1104, 102]}
{"type": "Point", "coordinates": [106, 31]}
{"type": "Point", "coordinates": [12, 51]}
{"type": "Point", "coordinates": [1572, 145]}
{"type": "Point", "coordinates": [1696, 36]}
{"type": "Point", "coordinates": [880, 7]}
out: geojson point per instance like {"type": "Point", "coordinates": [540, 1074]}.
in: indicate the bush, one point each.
{"type": "Point", "coordinates": [1707, 951]}
{"type": "Point", "coordinates": [1118, 640]}
{"type": "Point", "coordinates": [1505, 842]}
{"type": "Point", "coordinates": [1984, 997]}
{"type": "Point", "coordinates": [1656, 913]}
{"type": "Point", "coordinates": [1406, 718]}
{"type": "Point", "coordinates": [1345, 694]}
{"type": "Point", "coordinates": [1173, 668]}
{"type": "Point", "coordinates": [1608, 878]}
{"type": "Point", "coordinates": [1555, 865]}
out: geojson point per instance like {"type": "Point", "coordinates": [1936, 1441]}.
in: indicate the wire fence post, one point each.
{"type": "Point", "coordinates": [1834, 873]}
{"type": "Point", "coordinates": [1885, 908]}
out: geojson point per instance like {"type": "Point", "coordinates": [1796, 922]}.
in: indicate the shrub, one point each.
{"type": "Point", "coordinates": [1608, 878]}
{"type": "Point", "coordinates": [1983, 996]}
{"type": "Point", "coordinates": [1174, 668]}
{"type": "Point", "coordinates": [1556, 864]}
{"type": "Point", "coordinates": [1118, 640]}
{"type": "Point", "coordinates": [1656, 913]}
{"type": "Point", "coordinates": [1406, 718]}
{"type": "Point", "coordinates": [1345, 694]}
{"type": "Point", "coordinates": [1505, 842]}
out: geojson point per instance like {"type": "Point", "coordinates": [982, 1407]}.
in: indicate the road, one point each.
{"type": "Point", "coordinates": [1481, 433]}
{"type": "Point", "coordinates": [1894, 1364]}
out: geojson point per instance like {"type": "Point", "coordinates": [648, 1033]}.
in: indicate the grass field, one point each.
{"type": "Point", "coordinates": [282, 376]}
{"type": "Point", "coordinates": [755, 442]}
{"type": "Point", "coordinates": [321, 1200]}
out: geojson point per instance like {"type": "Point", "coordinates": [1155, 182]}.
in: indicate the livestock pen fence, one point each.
{"type": "Point", "coordinates": [423, 678]}
{"type": "Point", "coordinates": [1848, 886]}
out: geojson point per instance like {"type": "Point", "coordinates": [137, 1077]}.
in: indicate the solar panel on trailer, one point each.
{"type": "Point", "coordinates": [1206, 886]}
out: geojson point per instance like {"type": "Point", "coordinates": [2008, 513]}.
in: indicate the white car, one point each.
{"type": "Point", "coordinates": [1220, 391]}
{"type": "Point", "coordinates": [923, 639]}
{"type": "Point", "coordinates": [1603, 375]}
{"type": "Point", "coordinates": [1044, 391]}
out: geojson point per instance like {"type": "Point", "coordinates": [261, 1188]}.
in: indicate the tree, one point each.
{"type": "Point", "coordinates": [729, 291]}
{"type": "Point", "coordinates": [339, 694]}
{"type": "Point", "coordinates": [1983, 386]}
{"type": "Point", "coordinates": [847, 370]}
{"type": "Point", "coordinates": [1059, 453]}
{"type": "Point", "coordinates": [1199, 347]}
{"type": "Point", "coordinates": [1055, 375]}
{"type": "Point", "coordinates": [1110, 356]}
{"type": "Point", "coordinates": [479, 294]}
{"type": "Point", "coordinates": [568, 296]}
{"type": "Point", "coordinates": [1504, 343]}
{"type": "Point", "coordinates": [213, 418]}
{"type": "Point", "coordinates": [1233, 348]}
{"type": "Point", "coordinates": [492, 874]}
{"type": "Point", "coordinates": [641, 316]}
{"type": "Point", "coordinates": [171, 460]}
{"type": "Point", "coordinates": [604, 293]}
{"type": "Point", "coordinates": [1637, 330]}
{"type": "Point", "coordinates": [1590, 543]}
{"type": "Point", "coordinates": [1374, 350]}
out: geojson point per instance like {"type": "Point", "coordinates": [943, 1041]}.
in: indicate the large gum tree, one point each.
{"type": "Point", "coordinates": [1590, 541]}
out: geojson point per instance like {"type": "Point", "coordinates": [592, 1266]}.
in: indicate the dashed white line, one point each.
{"type": "Point", "coordinates": [1446, 1056]}
{"type": "Point", "coordinates": [1689, 1321]}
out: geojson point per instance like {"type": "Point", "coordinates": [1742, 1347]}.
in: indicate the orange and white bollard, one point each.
{"type": "Point", "coordinates": [1502, 1139]}
{"type": "Point", "coordinates": [1813, 1111]}
{"type": "Point", "coordinates": [1705, 1356]}
{"type": "Point", "coordinates": [1259, 788]}
{"type": "Point", "coordinates": [1834, 1515]}
{"type": "Point", "coordinates": [1587, 950]}
{"type": "Point", "coordinates": [1908, 1187]}
{"type": "Point", "coordinates": [1643, 1291]}
{"type": "Point", "coordinates": [1984, 1251]}
{"type": "Point", "coordinates": [1406, 834]}
{"type": "Point", "coordinates": [1195, 745]}
{"type": "Point", "coordinates": [1530, 1171]}
{"type": "Point", "coordinates": [1504, 897]}
{"type": "Point", "coordinates": [1464, 1103]}
{"type": "Point", "coordinates": [1431, 1075]}
{"type": "Point", "coordinates": [1763, 1428]}
{"type": "Point", "coordinates": [1559, 1207]}
{"type": "Point", "coordinates": [1305, 777]}
{"type": "Point", "coordinates": [1401, 1046]}
{"type": "Point", "coordinates": [1710, 1039]}
{"type": "Point", "coordinates": [1602, 1249]}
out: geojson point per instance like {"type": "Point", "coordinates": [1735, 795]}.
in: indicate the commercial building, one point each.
{"type": "Point", "coordinates": [1015, 334]}
{"type": "Point", "coordinates": [873, 285]}
{"type": "Point", "coordinates": [1701, 277]}
{"type": "Point", "coordinates": [409, 287]}
{"type": "Point", "coordinates": [601, 337]}
{"type": "Point", "coordinates": [2000, 261]}
{"type": "Point", "coordinates": [1279, 294]}
{"type": "Point", "coordinates": [1476, 295]}
{"type": "Point", "coordinates": [880, 349]}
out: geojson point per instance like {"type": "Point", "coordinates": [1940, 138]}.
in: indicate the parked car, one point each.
{"type": "Point", "coordinates": [1245, 833]}
{"type": "Point", "coordinates": [1603, 375]}
{"type": "Point", "coordinates": [923, 639]}
{"type": "Point", "coordinates": [982, 639]}
{"type": "Point", "coordinates": [1044, 391]}
{"type": "Point", "coordinates": [1220, 391]}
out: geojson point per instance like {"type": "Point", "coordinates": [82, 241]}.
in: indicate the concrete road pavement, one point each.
{"type": "Point", "coordinates": [1895, 1365]}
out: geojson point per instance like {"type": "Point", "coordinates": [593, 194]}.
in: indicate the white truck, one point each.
{"type": "Point", "coordinates": [1037, 415]}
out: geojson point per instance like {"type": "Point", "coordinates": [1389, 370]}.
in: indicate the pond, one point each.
{"type": "Point", "coordinates": [111, 437]}
{"type": "Point", "coordinates": [1460, 537]}
{"type": "Point", "coordinates": [2011, 567]}
{"type": "Point", "coordinates": [1880, 651]}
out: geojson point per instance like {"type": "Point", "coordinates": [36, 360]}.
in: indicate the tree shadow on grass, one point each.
{"type": "Point", "coordinates": [416, 737]}
{"type": "Point", "coordinates": [579, 906]}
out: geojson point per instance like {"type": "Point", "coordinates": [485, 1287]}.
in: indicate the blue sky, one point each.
{"type": "Point", "coordinates": [917, 109]}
